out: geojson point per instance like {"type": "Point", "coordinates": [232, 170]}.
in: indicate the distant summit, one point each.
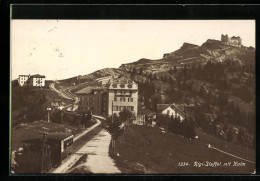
{"type": "Point", "coordinates": [188, 45]}
{"type": "Point", "coordinates": [188, 54]}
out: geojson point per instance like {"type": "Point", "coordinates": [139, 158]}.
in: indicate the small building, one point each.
{"type": "Point", "coordinates": [171, 110]}
{"type": "Point", "coordinates": [38, 80]}
{"type": "Point", "coordinates": [23, 79]}
{"type": "Point", "coordinates": [48, 150]}
{"type": "Point", "coordinates": [34, 80]}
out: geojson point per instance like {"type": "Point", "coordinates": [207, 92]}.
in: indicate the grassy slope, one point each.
{"type": "Point", "coordinates": [32, 97]}
{"type": "Point", "coordinates": [30, 130]}
{"type": "Point", "coordinates": [160, 153]}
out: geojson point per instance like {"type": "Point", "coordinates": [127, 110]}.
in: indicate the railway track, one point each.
{"type": "Point", "coordinates": [77, 144]}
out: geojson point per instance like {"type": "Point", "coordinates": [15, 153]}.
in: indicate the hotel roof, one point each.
{"type": "Point", "coordinates": [50, 136]}
{"type": "Point", "coordinates": [144, 110]}
{"type": "Point", "coordinates": [38, 76]}
{"type": "Point", "coordinates": [88, 90]}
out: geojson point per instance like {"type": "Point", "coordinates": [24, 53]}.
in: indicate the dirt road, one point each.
{"type": "Point", "coordinates": [98, 159]}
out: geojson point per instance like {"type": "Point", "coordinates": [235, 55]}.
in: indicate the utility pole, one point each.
{"type": "Point", "coordinates": [247, 141]}
{"type": "Point", "coordinates": [44, 138]}
{"type": "Point", "coordinates": [49, 109]}
{"type": "Point", "coordinates": [113, 141]}
{"type": "Point", "coordinates": [112, 112]}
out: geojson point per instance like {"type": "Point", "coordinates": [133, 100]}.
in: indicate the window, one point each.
{"type": "Point", "coordinates": [168, 111]}
{"type": "Point", "coordinates": [115, 108]}
{"type": "Point", "coordinates": [130, 92]}
{"type": "Point", "coordinates": [132, 108]}
{"type": "Point", "coordinates": [123, 99]}
{"type": "Point", "coordinates": [115, 99]}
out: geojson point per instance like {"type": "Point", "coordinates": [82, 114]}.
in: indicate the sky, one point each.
{"type": "Point", "coordinates": [61, 49]}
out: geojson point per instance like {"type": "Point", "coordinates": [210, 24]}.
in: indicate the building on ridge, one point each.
{"type": "Point", "coordinates": [233, 41]}
{"type": "Point", "coordinates": [34, 80]}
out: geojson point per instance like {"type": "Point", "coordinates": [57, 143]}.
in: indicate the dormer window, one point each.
{"type": "Point", "coordinates": [130, 85]}
{"type": "Point", "coordinates": [114, 86]}
{"type": "Point", "coordinates": [122, 85]}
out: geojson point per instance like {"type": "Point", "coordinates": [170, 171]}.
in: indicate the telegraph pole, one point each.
{"type": "Point", "coordinates": [247, 141]}
{"type": "Point", "coordinates": [44, 138]}
{"type": "Point", "coordinates": [112, 112]}
{"type": "Point", "coordinates": [49, 109]}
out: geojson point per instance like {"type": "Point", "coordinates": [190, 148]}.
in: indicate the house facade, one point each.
{"type": "Point", "coordinates": [122, 95]}
{"type": "Point", "coordinates": [109, 99]}
{"type": "Point", "coordinates": [93, 99]}
{"type": "Point", "coordinates": [38, 80]}
{"type": "Point", "coordinates": [23, 79]}
{"type": "Point", "coordinates": [171, 110]}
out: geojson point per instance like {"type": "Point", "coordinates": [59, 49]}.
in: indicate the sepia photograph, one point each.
{"type": "Point", "coordinates": [132, 97]}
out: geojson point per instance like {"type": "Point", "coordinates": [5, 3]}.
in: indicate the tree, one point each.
{"type": "Point", "coordinates": [225, 128]}
{"type": "Point", "coordinates": [89, 115]}
{"type": "Point", "coordinates": [175, 69]}
{"type": "Point", "coordinates": [125, 115]}
{"type": "Point", "coordinates": [88, 118]}
{"type": "Point", "coordinates": [83, 121]}
{"type": "Point", "coordinates": [230, 135]}
{"type": "Point", "coordinates": [241, 135]}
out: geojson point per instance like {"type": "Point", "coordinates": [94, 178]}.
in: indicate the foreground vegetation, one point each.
{"type": "Point", "coordinates": [142, 149]}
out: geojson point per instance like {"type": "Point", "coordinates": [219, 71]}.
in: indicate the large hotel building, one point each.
{"type": "Point", "coordinates": [122, 95]}
{"type": "Point", "coordinates": [115, 96]}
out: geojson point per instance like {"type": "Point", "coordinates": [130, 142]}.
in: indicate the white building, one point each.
{"type": "Point", "coordinates": [34, 80]}
{"type": "Point", "coordinates": [122, 95]}
{"type": "Point", "coordinates": [38, 80]}
{"type": "Point", "coordinates": [22, 79]}
{"type": "Point", "coordinates": [171, 110]}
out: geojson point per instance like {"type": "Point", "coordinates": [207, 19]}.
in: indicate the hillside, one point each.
{"type": "Point", "coordinates": [214, 81]}
{"type": "Point", "coordinates": [147, 150]}
{"type": "Point", "coordinates": [211, 50]}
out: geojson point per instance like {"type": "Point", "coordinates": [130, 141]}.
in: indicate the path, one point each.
{"type": "Point", "coordinates": [98, 159]}
{"type": "Point", "coordinates": [52, 87]}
